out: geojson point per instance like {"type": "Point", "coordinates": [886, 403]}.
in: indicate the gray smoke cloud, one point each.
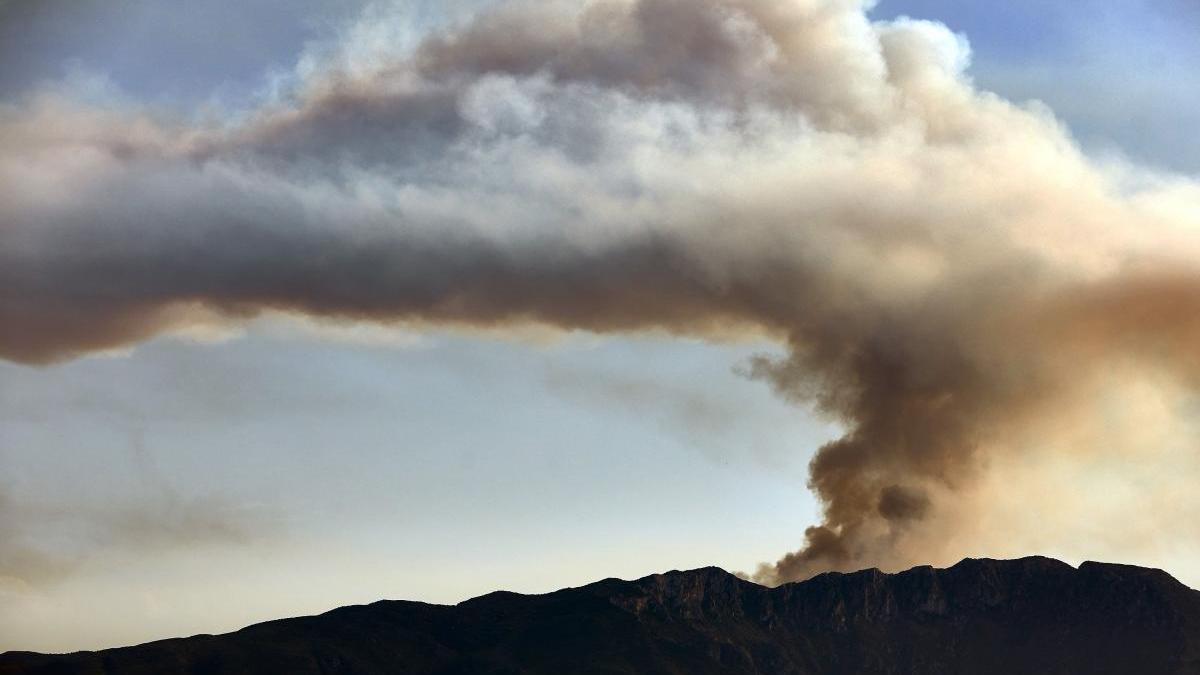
{"type": "Point", "coordinates": [949, 274]}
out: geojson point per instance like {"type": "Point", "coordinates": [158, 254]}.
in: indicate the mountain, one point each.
{"type": "Point", "coordinates": [1033, 615]}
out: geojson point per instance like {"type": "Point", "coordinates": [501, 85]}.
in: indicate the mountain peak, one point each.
{"type": "Point", "coordinates": [979, 615]}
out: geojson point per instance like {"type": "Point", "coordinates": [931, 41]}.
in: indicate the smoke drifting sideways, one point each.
{"type": "Point", "coordinates": [952, 278]}
{"type": "Point", "coordinates": [42, 544]}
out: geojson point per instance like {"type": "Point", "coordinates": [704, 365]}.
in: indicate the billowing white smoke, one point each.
{"type": "Point", "coordinates": [955, 282]}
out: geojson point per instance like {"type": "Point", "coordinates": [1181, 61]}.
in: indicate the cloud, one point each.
{"type": "Point", "coordinates": [948, 272]}
{"type": "Point", "coordinates": [43, 543]}
{"type": "Point", "coordinates": [722, 425]}
{"type": "Point", "coordinates": [44, 540]}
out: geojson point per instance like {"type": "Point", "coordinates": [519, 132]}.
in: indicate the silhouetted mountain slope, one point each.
{"type": "Point", "coordinates": [1033, 615]}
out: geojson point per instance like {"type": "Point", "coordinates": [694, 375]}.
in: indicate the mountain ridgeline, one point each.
{"type": "Point", "coordinates": [1033, 615]}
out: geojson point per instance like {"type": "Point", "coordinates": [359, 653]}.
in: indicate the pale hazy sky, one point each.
{"type": "Point", "coordinates": [200, 483]}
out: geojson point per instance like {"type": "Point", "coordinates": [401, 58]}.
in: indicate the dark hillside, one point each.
{"type": "Point", "coordinates": [1033, 615]}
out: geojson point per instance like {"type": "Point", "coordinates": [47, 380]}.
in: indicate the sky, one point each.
{"type": "Point", "coordinates": [583, 348]}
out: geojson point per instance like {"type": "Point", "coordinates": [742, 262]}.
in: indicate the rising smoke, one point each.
{"type": "Point", "coordinates": [950, 275]}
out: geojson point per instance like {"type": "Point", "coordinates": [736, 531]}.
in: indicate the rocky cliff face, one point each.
{"type": "Point", "coordinates": [1033, 615]}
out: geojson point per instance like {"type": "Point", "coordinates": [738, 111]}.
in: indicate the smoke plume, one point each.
{"type": "Point", "coordinates": [954, 281]}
